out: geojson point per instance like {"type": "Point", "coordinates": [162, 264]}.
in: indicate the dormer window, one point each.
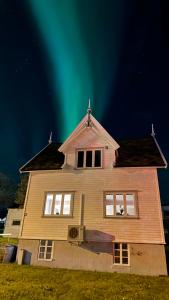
{"type": "Point", "coordinates": [91, 158]}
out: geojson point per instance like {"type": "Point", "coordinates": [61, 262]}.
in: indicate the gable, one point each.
{"type": "Point", "coordinates": [84, 135]}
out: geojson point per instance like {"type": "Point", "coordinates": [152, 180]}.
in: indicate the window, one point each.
{"type": "Point", "coordinates": [45, 250]}
{"type": "Point", "coordinates": [121, 254]}
{"type": "Point", "coordinates": [16, 222]}
{"type": "Point", "coordinates": [120, 204]}
{"type": "Point", "coordinates": [89, 158]}
{"type": "Point", "coordinates": [58, 204]}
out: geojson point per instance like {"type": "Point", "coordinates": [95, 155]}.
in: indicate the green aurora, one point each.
{"type": "Point", "coordinates": [82, 40]}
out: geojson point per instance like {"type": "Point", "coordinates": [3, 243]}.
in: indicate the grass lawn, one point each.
{"type": "Point", "coordinates": [26, 282]}
{"type": "Point", "coordinates": [8, 240]}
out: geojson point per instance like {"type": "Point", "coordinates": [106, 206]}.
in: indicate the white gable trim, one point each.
{"type": "Point", "coordinates": [97, 127]}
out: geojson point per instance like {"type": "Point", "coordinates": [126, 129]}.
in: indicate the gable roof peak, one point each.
{"type": "Point", "coordinates": [152, 130]}
{"type": "Point", "coordinates": [89, 110]}
{"type": "Point", "coordinates": [50, 138]}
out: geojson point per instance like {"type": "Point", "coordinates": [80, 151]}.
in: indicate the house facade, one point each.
{"type": "Point", "coordinates": [93, 203]}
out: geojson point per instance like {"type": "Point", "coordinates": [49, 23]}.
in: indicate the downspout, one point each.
{"type": "Point", "coordinates": [81, 217]}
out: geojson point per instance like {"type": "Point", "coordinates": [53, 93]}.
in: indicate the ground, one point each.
{"type": "Point", "coordinates": [26, 282]}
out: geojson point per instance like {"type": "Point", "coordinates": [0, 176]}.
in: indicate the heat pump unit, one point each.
{"type": "Point", "coordinates": [75, 233]}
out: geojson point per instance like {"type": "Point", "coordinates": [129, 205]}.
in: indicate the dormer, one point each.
{"type": "Point", "coordinates": [89, 146]}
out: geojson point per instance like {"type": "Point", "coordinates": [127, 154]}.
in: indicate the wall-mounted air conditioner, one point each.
{"type": "Point", "coordinates": [75, 233]}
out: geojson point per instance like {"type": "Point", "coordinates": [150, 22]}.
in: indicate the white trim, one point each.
{"type": "Point", "coordinates": [46, 241]}
{"type": "Point", "coordinates": [121, 254]}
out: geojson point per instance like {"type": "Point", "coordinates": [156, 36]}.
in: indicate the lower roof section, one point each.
{"type": "Point", "coordinates": [132, 153]}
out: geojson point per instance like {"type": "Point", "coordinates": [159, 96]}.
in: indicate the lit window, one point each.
{"type": "Point", "coordinates": [120, 204]}
{"type": "Point", "coordinates": [89, 158]}
{"type": "Point", "coordinates": [45, 250]}
{"type": "Point", "coordinates": [58, 204]}
{"type": "Point", "coordinates": [121, 254]}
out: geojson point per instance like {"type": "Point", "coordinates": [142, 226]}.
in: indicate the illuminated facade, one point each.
{"type": "Point", "coordinates": [93, 203]}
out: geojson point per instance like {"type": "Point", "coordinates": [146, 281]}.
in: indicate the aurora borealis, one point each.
{"type": "Point", "coordinates": [54, 55]}
{"type": "Point", "coordinates": [82, 55]}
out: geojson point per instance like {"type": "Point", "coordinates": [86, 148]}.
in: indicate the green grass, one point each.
{"type": "Point", "coordinates": [8, 240]}
{"type": "Point", "coordinates": [26, 282]}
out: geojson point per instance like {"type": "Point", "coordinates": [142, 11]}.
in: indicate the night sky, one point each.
{"type": "Point", "coordinates": [54, 55]}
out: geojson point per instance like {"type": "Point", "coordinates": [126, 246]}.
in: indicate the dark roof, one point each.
{"type": "Point", "coordinates": [132, 153]}
{"type": "Point", "coordinates": [139, 153]}
{"type": "Point", "coordinates": [47, 159]}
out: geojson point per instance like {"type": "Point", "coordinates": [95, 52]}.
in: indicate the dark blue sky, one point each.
{"type": "Point", "coordinates": [127, 48]}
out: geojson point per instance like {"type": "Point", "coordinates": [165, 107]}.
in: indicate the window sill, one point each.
{"type": "Point", "coordinates": [121, 217]}
{"type": "Point", "coordinates": [56, 217]}
{"type": "Point", "coordinates": [43, 259]}
{"type": "Point", "coordinates": [120, 265]}
{"type": "Point", "coordinates": [87, 168]}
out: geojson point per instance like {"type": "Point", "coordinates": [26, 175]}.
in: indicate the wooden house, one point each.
{"type": "Point", "coordinates": [93, 203]}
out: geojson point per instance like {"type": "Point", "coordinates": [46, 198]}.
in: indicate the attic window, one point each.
{"type": "Point", "coordinates": [89, 158]}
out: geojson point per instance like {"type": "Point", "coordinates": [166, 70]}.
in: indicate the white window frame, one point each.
{"type": "Point", "coordinates": [93, 156]}
{"type": "Point", "coordinates": [124, 193]}
{"type": "Point", "coordinates": [61, 215]}
{"type": "Point", "coordinates": [45, 252]}
{"type": "Point", "coordinates": [121, 254]}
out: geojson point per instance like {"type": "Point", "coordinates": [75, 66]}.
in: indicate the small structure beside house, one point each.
{"type": "Point", "coordinates": [13, 222]}
{"type": "Point", "coordinates": [93, 203]}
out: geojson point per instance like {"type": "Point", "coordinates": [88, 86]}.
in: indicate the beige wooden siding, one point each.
{"type": "Point", "coordinates": [92, 183]}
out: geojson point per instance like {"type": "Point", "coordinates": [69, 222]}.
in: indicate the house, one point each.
{"type": "Point", "coordinates": [93, 203]}
{"type": "Point", "coordinates": [13, 221]}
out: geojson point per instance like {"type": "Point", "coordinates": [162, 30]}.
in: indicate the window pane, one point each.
{"type": "Point", "coordinates": [41, 255]}
{"type": "Point", "coordinates": [16, 222]}
{"type": "Point", "coordinates": [109, 197]}
{"type": "Point", "coordinates": [119, 204]}
{"type": "Point", "coordinates": [49, 243]}
{"type": "Point", "coordinates": [66, 206]}
{"type": "Point", "coordinates": [48, 255]}
{"type": "Point", "coordinates": [125, 253]}
{"type": "Point", "coordinates": [109, 210]}
{"type": "Point", "coordinates": [117, 260]}
{"type": "Point", "coordinates": [48, 204]}
{"type": "Point", "coordinates": [58, 201]}
{"type": "Point", "coordinates": [130, 204]}
{"type": "Point", "coordinates": [124, 246]}
{"type": "Point", "coordinates": [117, 252]}
{"type": "Point", "coordinates": [88, 158]}
{"type": "Point", "coordinates": [42, 249]}
{"type": "Point", "coordinates": [125, 260]}
{"type": "Point", "coordinates": [42, 242]}
{"type": "Point", "coordinates": [80, 159]}
{"type": "Point", "coordinates": [49, 250]}
{"type": "Point", "coordinates": [97, 162]}
{"type": "Point", "coordinates": [116, 246]}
